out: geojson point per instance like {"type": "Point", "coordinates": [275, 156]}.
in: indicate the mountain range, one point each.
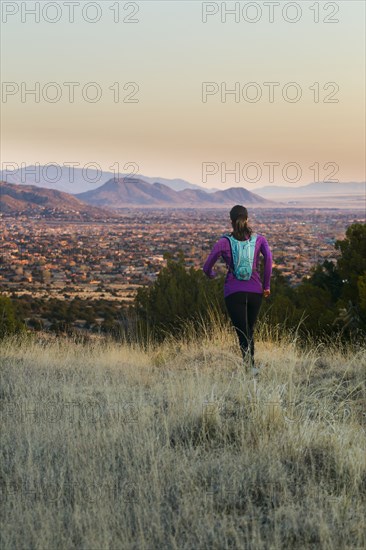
{"type": "Point", "coordinates": [126, 192]}
{"type": "Point", "coordinates": [30, 200]}
{"type": "Point", "coordinates": [136, 191]}
{"type": "Point", "coordinates": [79, 180]}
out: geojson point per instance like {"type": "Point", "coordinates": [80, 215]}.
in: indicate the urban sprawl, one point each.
{"type": "Point", "coordinates": [48, 257]}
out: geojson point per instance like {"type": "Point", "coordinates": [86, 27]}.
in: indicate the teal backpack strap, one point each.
{"type": "Point", "coordinates": [229, 237]}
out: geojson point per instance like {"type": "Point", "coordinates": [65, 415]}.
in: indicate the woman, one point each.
{"type": "Point", "coordinates": [243, 298]}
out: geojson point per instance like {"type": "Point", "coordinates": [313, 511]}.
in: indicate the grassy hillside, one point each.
{"type": "Point", "coordinates": [115, 446]}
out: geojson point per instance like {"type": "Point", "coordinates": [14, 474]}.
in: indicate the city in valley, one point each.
{"type": "Point", "coordinates": [63, 259]}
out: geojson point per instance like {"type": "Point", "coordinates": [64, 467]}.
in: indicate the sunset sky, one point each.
{"type": "Point", "coordinates": [169, 52]}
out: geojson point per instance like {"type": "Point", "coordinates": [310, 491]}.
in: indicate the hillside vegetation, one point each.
{"type": "Point", "coordinates": [113, 445]}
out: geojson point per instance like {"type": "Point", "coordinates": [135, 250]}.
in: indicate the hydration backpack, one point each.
{"type": "Point", "coordinates": [242, 253]}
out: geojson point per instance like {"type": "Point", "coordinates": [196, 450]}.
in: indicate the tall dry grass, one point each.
{"type": "Point", "coordinates": [112, 445]}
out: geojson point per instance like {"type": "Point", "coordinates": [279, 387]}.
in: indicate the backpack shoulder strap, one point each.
{"type": "Point", "coordinates": [229, 238]}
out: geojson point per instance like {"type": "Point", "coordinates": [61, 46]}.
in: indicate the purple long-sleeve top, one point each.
{"type": "Point", "coordinates": [232, 284]}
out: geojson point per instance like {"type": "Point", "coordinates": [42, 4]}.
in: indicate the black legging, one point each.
{"type": "Point", "coordinates": [243, 309]}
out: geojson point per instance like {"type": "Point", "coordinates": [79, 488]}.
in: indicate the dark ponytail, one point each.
{"type": "Point", "coordinates": [239, 219]}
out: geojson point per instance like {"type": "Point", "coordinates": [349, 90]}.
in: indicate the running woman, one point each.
{"type": "Point", "coordinates": [243, 298]}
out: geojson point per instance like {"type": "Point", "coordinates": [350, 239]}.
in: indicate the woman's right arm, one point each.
{"type": "Point", "coordinates": [212, 259]}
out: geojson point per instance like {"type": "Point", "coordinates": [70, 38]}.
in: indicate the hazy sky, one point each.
{"type": "Point", "coordinates": [169, 52]}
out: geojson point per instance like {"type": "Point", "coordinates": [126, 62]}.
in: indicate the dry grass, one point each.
{"type": "Point", "coordinates": [112, 446]}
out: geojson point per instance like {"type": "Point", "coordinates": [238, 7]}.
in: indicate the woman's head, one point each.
{"type": "Point", "coordinates": [239, 220]}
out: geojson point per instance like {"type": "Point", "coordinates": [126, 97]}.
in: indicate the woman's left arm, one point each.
{"type": "Point", "coordinates": [266, 251]}
{"type": "Point", "coordinates": [212, 259]}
